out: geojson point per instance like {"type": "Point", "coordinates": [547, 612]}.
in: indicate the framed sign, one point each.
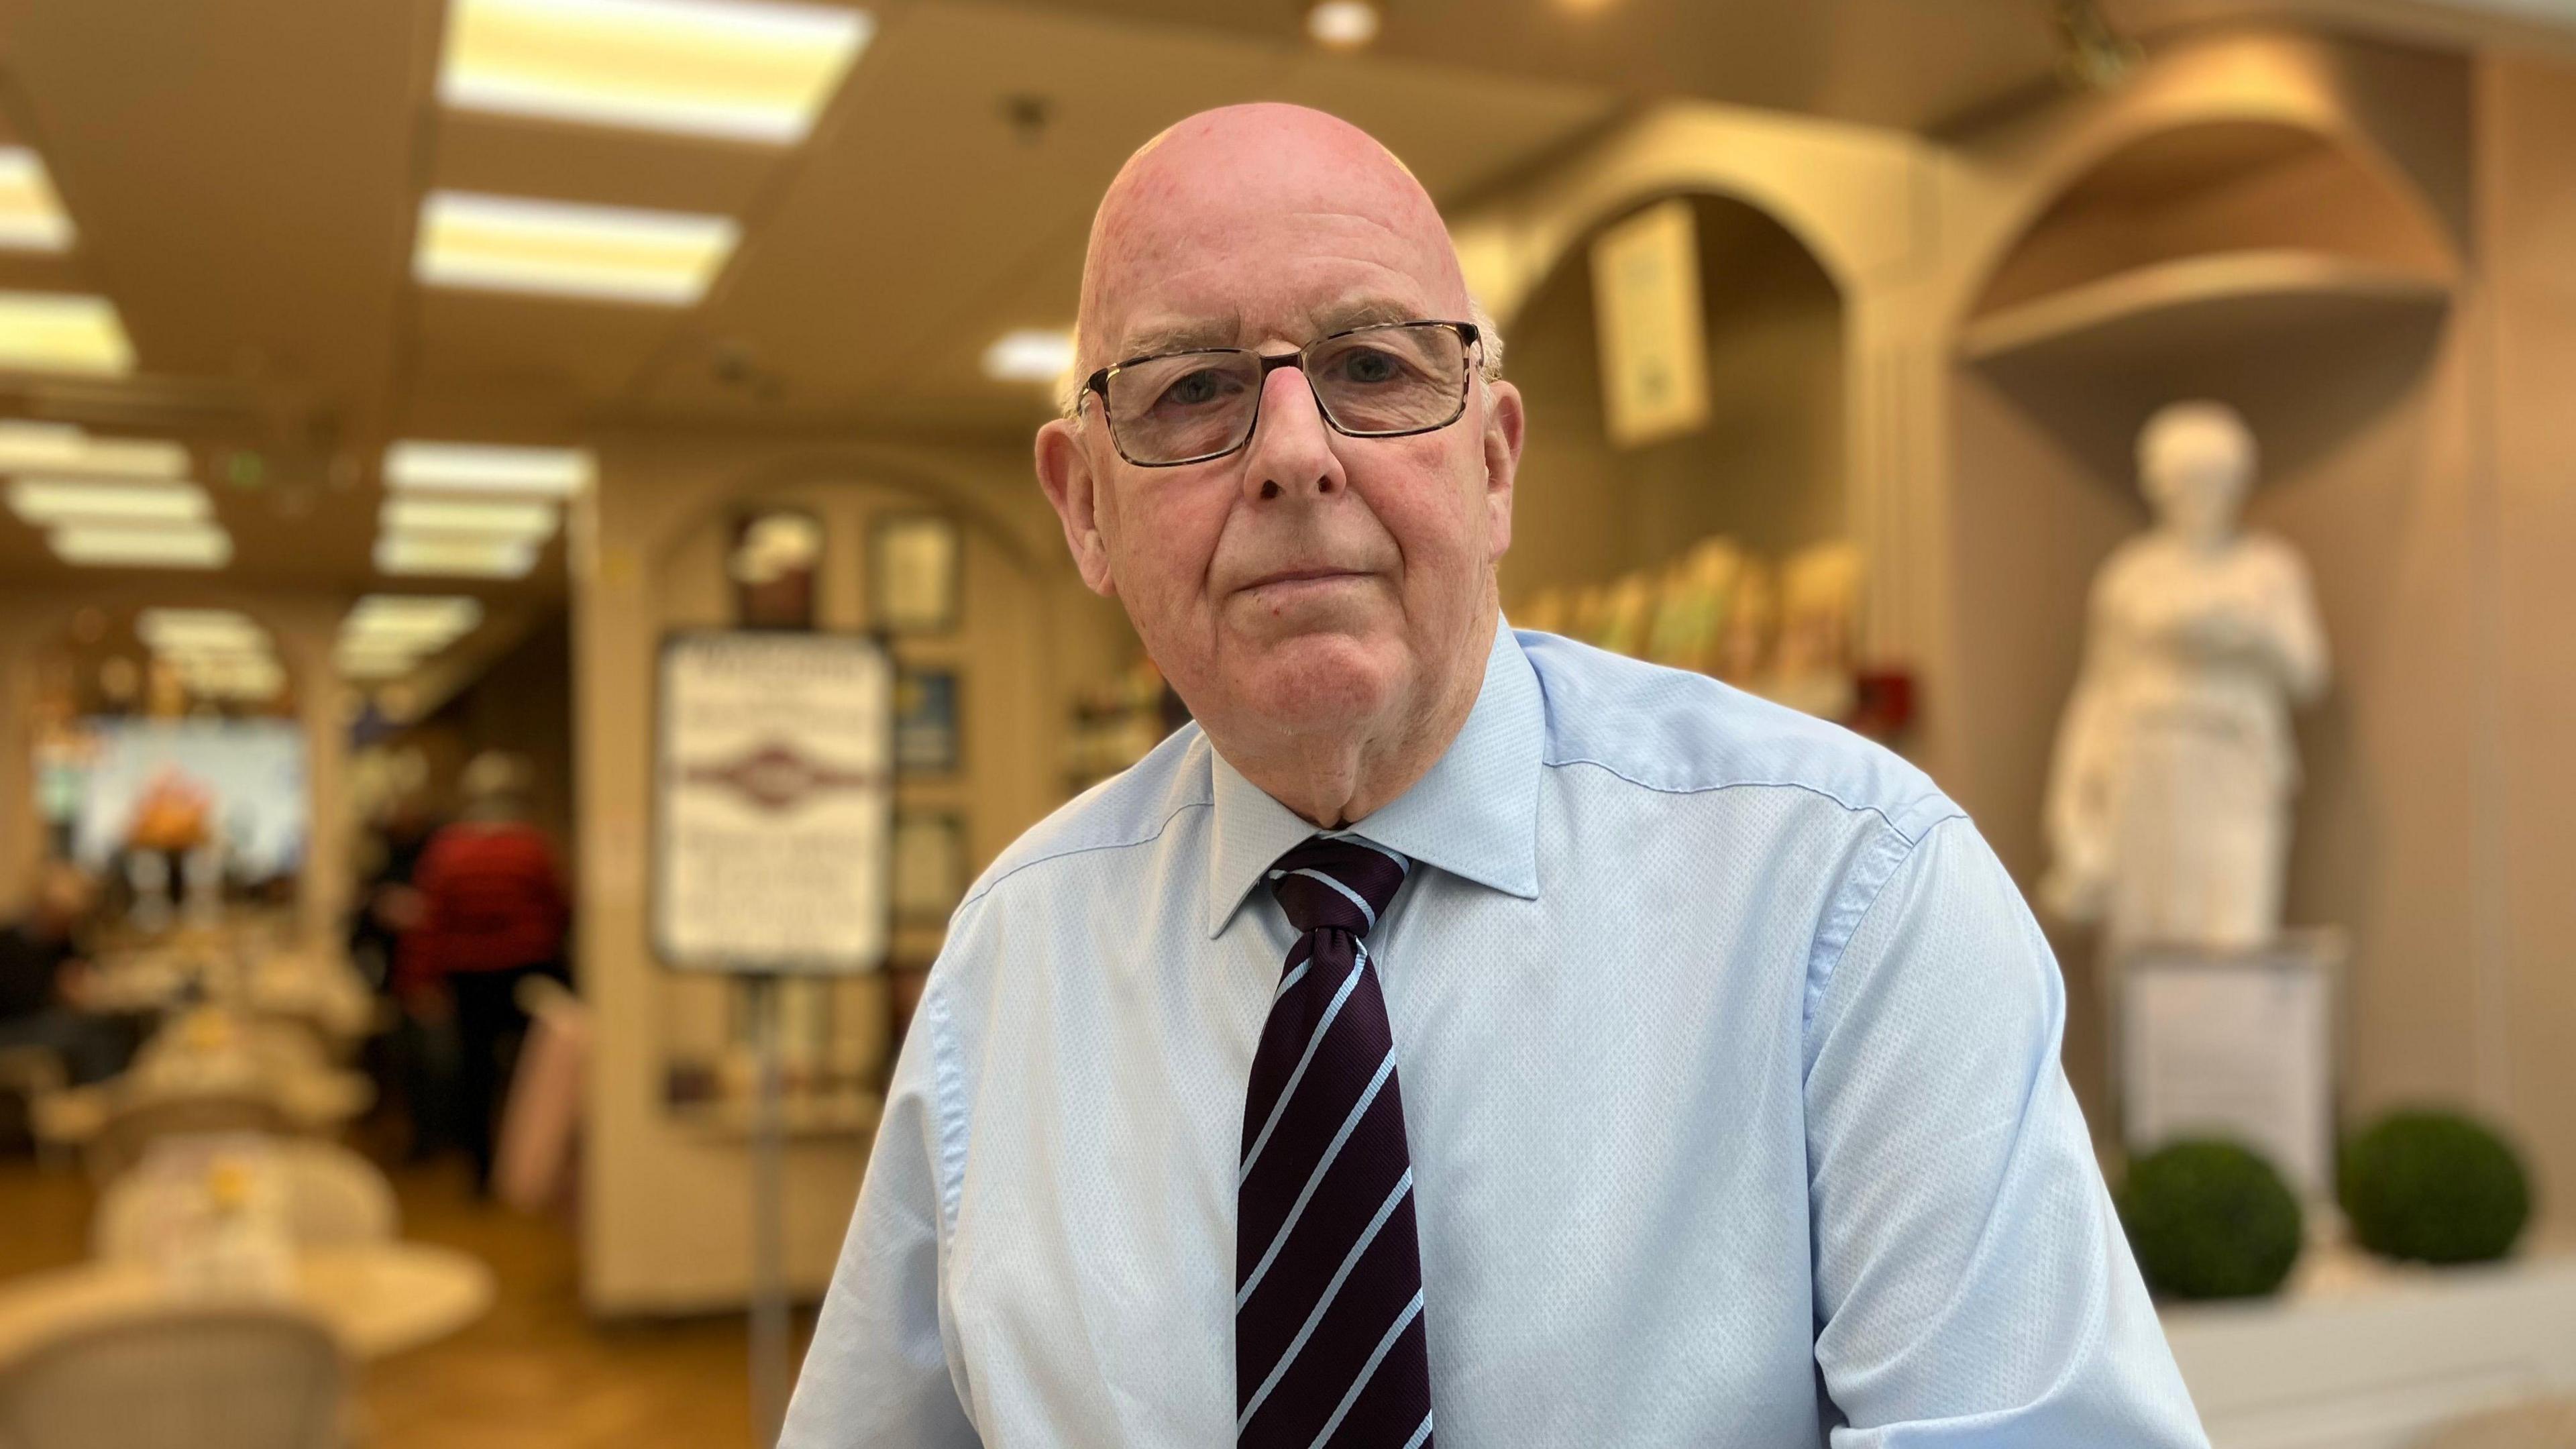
{"type": "Point", "coordinates": [912, 569]}
{"type": "Point", "coordinates": [1652, 331]}
{"type": "Point", "coordinates": [929, 865]}
{"type": "Point", "coordinates": [2239, 1045]}
{"type": "Point", "coordinates": [925, 722]}
{"type": "Point", "coordinates": [773, 802]}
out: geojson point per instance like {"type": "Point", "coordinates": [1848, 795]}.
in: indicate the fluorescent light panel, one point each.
{"type": "Point", "coordinates": [731, 68]}
{"type": "Point", "coordinates": [63, 450]}
{"type": "Point", "coordinates": [533, 519]}
{"type": "Point", "coordinates": [204, 546]}
{"type": "Point", "coordinates": [411, 616]}
{"type": "Point", "coordinates": [31, 216]}
{"type": "Point", "coordinates": [62, 332]}
{"type": "Point", "coordinates": [605, 253]}
{"type": "Point", "coordinates": [48, 501]}
{"type": "Point", "coordinates": [482, 468]}
{"type": "Point", "coordinates": [1029, 355]}
{"type": "Point", "coordinates": [478, 558]}
{"type": "Point", "coordinates": [219, 631]}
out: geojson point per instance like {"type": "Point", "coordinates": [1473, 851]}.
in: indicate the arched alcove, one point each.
{"type": "Point", "coordinates": [994, 653]}
{"type": "Point", "coordinates": [1768, 466]}
{"type": "Point", "coordinates": [2282, 267]}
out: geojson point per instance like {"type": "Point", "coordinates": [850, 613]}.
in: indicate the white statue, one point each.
{"type": "Point", "coordinates": [2169, 799]}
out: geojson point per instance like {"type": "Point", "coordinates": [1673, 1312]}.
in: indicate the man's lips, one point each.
{"type": "Point", "coordinates": [1299, 576]}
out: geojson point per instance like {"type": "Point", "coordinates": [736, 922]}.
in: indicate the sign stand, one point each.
{"type": "Point", "coordinates": [770, 1374]}
{"type": "Point", "coordinates": [773, 816]}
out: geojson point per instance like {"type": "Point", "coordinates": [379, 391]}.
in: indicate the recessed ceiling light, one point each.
{"type": "Point", "coordinates": [411, 616]}
{"type": "Point", "coordinates": [206, 631]}
{"type": "Point", "coordinates": [496, 517]}
{"type": "Point", "coordinates": [204, 546]}
{"type": "Point", "coordinates": [31, 216]}
{"type": "Point", "coordinates": [62, 332]}
{"type": "Point", "coordinates": [607, 253]}
{"type": "Point", "coordinates": [456, 557]}
{"type": "Point", "coordinates": [48, 501]}
{"type": "Point", "coordinates": [1029, 355]}
{"type": "Point", "coordinates": [484, 468]}
{"type": "Point", "coordinates": [246, 676]}
{"type": "Point", "coordinates": [1342, 24]}
{"type": "Point", "coordinates": [738, 69]}
{"type": "Point", "coordinates": [64, 450]}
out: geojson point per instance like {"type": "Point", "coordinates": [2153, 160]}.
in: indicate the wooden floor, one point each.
{"type": "Point", "coordinates": [536, 1373]}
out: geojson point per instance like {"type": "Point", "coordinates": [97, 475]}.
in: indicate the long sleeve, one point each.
{"type": "Point", "coordinates": [877, 1374]}
{"type": "Point", "coordinates": [1973, 1286]}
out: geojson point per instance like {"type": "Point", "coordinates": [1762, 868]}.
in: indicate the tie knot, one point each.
{"type": "Point", "coordinates": [1336, 882]}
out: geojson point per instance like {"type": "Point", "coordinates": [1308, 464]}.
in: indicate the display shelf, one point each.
{"type": "Point", "coordinates": [2360, 1354]}
{"type": "Point", "coordinates": [2194, 305]}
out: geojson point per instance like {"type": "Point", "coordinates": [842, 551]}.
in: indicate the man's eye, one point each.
{"type": "Point", "coordinates": [1194, 390]}
{"type": "Point", "coordinates": [1370, 365]}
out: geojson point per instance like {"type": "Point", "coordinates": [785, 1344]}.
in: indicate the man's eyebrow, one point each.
{"type": "Point", "coordinates": [1361, 312]}
{"type": "Point", "coordinates": [1195, 335]}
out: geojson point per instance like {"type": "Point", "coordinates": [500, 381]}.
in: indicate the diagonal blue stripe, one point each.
{"type": "Point", "coordinates": [1356, 898]}
{"type": "Point", "coordinates": [1350, 1124]}
{"type": "Point", "coordinates": [1323, 1305]}
{"type": "Point", "coordinates": [1289, 982]}
{"type": "Point", "coordinates": [1419, 1434]}
{"type": "Point", "coordinates": [1385, 1345]}
{"type": "Point", "coordinates": [1340, 996]}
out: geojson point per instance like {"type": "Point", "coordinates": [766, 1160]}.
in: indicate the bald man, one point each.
{"type": "Point", "coordinates": [1456, 1034]}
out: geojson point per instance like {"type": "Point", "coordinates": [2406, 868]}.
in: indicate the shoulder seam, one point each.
{"type": "Point", "coordinates": [1908, 809]}
{"type": "Point", "coordinates": [1843, 921]}
{"type": "Point", "coordinates": [988, 887]}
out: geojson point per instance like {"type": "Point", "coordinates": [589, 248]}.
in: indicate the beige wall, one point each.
{"type": "Point", "coordinates": [666, 1202]}
{"type": "Point", "coordinates": [2527, 216]}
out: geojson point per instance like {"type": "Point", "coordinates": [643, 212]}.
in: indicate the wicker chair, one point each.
{"type": "Point", "coordinates": [197, 1378]}
{"type": "Point", "coordinates": [121, 1141]}
{"type": "Point", "coordinates": [2540, 1424]}
{"type": "Point", "coordinates": [333, 1197]}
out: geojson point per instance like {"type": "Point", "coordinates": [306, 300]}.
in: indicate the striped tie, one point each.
{"type": "Point", "coordinates": [1328, 1333]}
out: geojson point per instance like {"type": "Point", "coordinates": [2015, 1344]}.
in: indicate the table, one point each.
{"type": "Point", "coordinates": [2359, 1354]}
{"type": "Point", "coordinates": [378, 1299]}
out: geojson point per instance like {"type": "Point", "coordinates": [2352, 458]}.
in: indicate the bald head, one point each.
{"type": "Point", "coordinates": [1322, 597]}
{"type": "Point", "coordinates": [1258, 188]}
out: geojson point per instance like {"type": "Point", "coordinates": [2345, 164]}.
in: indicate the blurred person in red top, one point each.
{"type": "Point", "coordinates": [492, 914]}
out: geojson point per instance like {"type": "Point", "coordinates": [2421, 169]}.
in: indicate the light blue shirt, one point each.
{"type": "Point", "coordinates": [1730, 1073]}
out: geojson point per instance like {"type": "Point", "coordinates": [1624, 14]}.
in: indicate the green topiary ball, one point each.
{"type": "Point", "coordinates": [2435, 1187]}
{"type": "Point", "coordinates": [2209, 1220]}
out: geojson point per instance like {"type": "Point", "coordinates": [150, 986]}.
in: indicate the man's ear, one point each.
{"type": "Point", "coordinates": [1504, 422]}
{"type": "Point", "coordinates": [1064, 471]}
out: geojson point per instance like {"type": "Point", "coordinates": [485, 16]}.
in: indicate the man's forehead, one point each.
{"type": "Point", "coordinates": [1266, 219]}
{"type": "Point", "coordinates": [1163, 330]}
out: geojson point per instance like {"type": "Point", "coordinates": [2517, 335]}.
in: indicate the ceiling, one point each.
{"type": "Point", "coordinates": [245, 176]}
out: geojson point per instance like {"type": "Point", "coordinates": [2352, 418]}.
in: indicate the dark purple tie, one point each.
{"type": "Point", "coordinates": [1328, 1334]}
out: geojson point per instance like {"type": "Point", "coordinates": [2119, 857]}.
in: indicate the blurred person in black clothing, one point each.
{"type": "Point", "coordinates": [415, 1064]}
{"type": "Point", "coordinates": [43, 978]}
{"type": "Point", "coordinates": [492, 914]}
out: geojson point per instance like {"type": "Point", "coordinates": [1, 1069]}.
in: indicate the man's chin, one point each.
{"type": "Point", "coordinates": [1318, 680]}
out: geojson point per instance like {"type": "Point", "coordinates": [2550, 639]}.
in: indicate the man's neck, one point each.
{"type": "Point", "coordinates": [1336, 780]}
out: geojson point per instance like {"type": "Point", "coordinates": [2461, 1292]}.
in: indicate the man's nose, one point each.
{"type": "Point", "coordinates": [1291, 454]}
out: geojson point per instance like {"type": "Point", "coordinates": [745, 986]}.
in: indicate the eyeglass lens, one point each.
{"type": "Point", "coordinates": [1378, 380]}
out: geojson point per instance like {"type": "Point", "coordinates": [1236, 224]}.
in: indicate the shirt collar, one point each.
{"type": "Point", "coordinates": [1473, 814]}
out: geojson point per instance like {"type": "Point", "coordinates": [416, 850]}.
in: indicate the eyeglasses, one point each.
{"type": "Point", "coordinates": [1391, 380]}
